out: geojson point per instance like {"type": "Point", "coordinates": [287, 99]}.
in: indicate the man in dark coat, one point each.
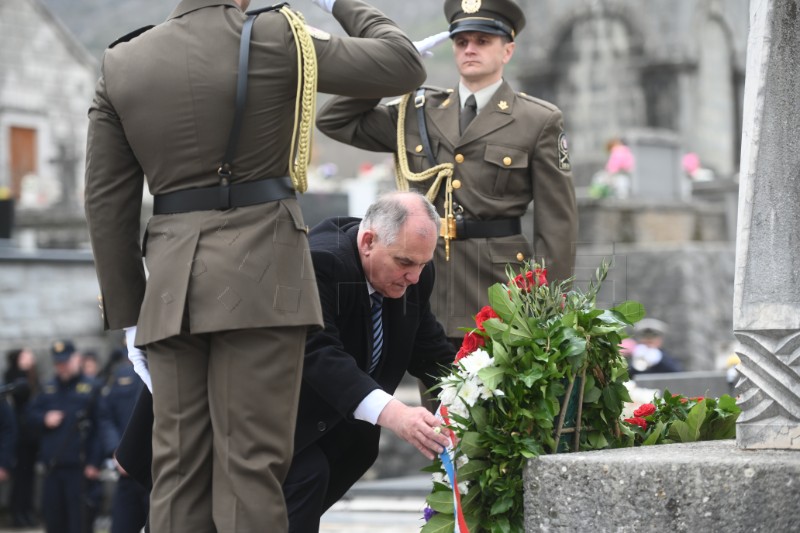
{"type": "Point", "coordinates": [345, 397]}
{"type": "Point", "coordinates": [349, 374]}
{"type": "Point", "coordinates": [224, 310]}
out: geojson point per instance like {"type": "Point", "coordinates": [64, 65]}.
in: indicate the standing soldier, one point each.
{"type": "Point", "coordinates": [216, 108]}
{"type": "Point", "coordinates": [66, 413]}
{"type": "Point", "coordinates": [481, 152]}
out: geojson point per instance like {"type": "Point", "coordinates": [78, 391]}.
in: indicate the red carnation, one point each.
{"type": "Point", "coordinates": [483, 315]}
{"type": "Point", "coordinates": [637, 421]}
{"type": "Point", "coordinates": [646, 409]}
{"type": "Point", "coordinates": [541, 276]}
{"type": "Point", "coordinates": [472, 341]}
{"type": "Point", "coordinates": [698, 399]}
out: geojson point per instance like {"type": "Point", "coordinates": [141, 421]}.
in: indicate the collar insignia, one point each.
{"type": "Point", "coordinates": [503, 105]}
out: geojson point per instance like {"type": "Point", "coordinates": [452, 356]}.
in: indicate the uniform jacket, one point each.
{"type": "Point", "coordinates": [513, 152]}
{"type": "Point", "coordinates": [163, 110]}
{"type": "Point", "coordinates": [335, 379]}
{"type": "Point", "coordinates": [8, 435]}
{"type": "Point", "coordinates": [74, 442]}
{"type": "Point", "coordinates": [116, 406]}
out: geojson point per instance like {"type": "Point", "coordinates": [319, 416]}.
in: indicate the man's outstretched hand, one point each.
{"type": "Point", "coordinates": [415, 425]}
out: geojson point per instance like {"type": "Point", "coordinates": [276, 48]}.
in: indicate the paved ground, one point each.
{"type": "Point", "coordinates": [382, 506]}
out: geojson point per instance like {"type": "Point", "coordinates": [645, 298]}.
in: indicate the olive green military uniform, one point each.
{"type": "Point", "coordinates": [513, 152]}
{"type": "Point", "coordinates": [230, 293]}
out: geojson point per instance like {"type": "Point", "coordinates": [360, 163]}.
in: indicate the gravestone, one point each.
{"type": "Point", "coordinates": [766, 318]}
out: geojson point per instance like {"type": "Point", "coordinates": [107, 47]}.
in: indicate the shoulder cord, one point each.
{"type": "Point", "coordinates": [441, 171]}
{"type": "Point", "coordinates": [306, 102]}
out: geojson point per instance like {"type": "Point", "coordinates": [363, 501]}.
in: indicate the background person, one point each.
{"type": "Point", "coordinates": [66, 414]}
{"type": "Point", "coordinates": [230, 294]}
{"type": "Point", "coordinates": [22, 373]}
{"type": "Point", "coordinates": [649, 356]}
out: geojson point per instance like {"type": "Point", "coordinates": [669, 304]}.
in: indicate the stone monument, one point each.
{"type": "Point", "coordinates": [766, 318]}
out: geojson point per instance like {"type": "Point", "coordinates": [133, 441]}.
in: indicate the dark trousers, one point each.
{"type": "Point", "coordinates": [324, 471]}
{"type": "Point", "coordinates": [23, 476]}
{"type": "Point", "coordinates": [129, 507]}
{"type": "Point", "coordinates": [62, 503]}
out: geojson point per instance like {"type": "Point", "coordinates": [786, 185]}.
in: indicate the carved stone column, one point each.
{"type": "Point", "coordinates": [766, 314]}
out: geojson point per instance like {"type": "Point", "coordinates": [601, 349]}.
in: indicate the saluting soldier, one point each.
{"type": "Point", "coordinates": [481, 152]}
{"type": "Point", "coordinates": [204, 105]}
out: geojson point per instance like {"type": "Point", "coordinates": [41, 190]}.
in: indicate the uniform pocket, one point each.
{"type": "Point", "coordinates": [506, 160]}
{"type": "Point", "coordinates": [417, 159]}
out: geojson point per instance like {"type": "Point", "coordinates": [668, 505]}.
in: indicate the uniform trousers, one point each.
{"type": "Point", "coordinates": [224, 407]}
{"type": "Point", "coordinates": [62, 505]}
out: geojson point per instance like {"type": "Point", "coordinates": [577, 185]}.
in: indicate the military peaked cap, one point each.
{"type": "Point", "coordinates": [499, 17]}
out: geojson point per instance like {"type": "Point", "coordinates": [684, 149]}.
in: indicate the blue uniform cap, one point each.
{"type": "Point", "coordinates": [62, 351]}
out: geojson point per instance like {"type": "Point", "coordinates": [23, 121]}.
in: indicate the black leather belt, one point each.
{"type": "Point", "coordinates": [484, 229]}
{"type": "Point", "coordinates": [224, 196]}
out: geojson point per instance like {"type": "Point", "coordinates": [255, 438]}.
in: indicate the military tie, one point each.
{"type": "Point", "coordinates": [468, 113]}
{"type": "Point", "coordinates": [377, 330]}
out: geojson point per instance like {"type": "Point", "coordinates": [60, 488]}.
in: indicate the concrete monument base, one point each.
{"type": "Point", "coordinates": [704, 486]}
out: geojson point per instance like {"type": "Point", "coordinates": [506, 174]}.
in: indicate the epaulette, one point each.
{"type": "Point", "coordinates": [437, 89]}
{"type": "Point", "coordinates": [130, 36]}
{"type": "Point", "coordinates": [543, 103]}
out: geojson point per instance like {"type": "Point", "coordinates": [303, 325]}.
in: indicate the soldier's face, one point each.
{"type": "Point", "coordinates": [392, 268]}
{"type": "Point", "coordinates": [480, 57]}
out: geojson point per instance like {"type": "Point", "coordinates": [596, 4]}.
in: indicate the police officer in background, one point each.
{"type": "Point", "coordinates": [66, 413]}
{"type": "Point", "coordinates": [482, 152]}
{"type": "Point", "coordinates": [131, 502]}
{"type": "Point", "coordinates": [231, 290]}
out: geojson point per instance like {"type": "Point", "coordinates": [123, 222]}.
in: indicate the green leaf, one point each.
{"type": "Point", "coordinates": [491, 376]}
{"type": "Point", "coordinates": [575, 347]}
{"type": "Point", "coordinates": [470, 445]}
{"type": "Point", "coordinates": [611, 399]}
{"type": "Point", "coordinates": [631, 310]}
{"type": "Point", "coordinates": [679, 432]}
{"type": "Point", "coordinates": [501, 303]}
{"type": "Point", "coordinates": [494, 327]}
{"type": "Point", "coordinates": [592, 395]}
{"type": "Point", "coordinates": [501, 505]}
{"type": "Point", "coordinates": [696, 418]}
{"type": "Point", "coordinates": [500, 354]}
{"type": "Point", "coordinates": [479, 416]}
{"type": "Point", "coordinates": [441, 501]}
{"type": "Point", "coordinates": [655, 436]}
{"type": "Point", "coordinates": [726, 403]}
{"type": "Point", "coordinates": [472, 470]}
{"type": "Point", "coordinates": [597, 440]}
{"type": "Point", "coordinates": [440, 523]}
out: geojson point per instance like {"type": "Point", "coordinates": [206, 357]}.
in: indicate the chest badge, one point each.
{"type": "Point", "coordinates": [470, 6]}
{"type": "Point", "coordinates": [503, 105]}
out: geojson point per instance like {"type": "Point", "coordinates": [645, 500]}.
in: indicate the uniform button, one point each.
{"type": "Point", "coordinates": [224, 182]}
{"type": "Point", "coordinates": [520, 257]}
{"type": "Point", "coordinates": [456, 184]}
{"type": "Point", "coordinates": [322, 426]}
{"type": "Point", "coordinates": [506, 161]}
{"type": "Point", "coordinates": [418, 149]}
{"type": "Point", "coordinates": [459, 158]}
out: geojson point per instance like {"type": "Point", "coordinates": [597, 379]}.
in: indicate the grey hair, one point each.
{"type": "Point", "coordinates": [388, 213]}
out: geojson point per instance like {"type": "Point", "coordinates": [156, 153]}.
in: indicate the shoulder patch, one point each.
{"type": "Point", "coordinates": [542, 103]}
{"type": "Point", "coordinates": [318, 34]}
{"type": "Point", "coordinates": [563, 152]}
{"type": "Point", "coordinates": [130, 36]}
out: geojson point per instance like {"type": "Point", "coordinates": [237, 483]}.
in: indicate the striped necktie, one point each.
{"type": "Point", "coordinates": [377, 330]}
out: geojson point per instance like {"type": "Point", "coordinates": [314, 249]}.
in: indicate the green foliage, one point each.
{"type": "Point", "coordinates": [543, 339]}
{"type": "Point", "coordinates": [677, 418]}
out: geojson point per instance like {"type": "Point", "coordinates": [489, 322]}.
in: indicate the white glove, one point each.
{"type": "Point", "coordinates": [137, 357]}
{"type": "Point", "coordinates": [425, 45]}
{"type": "Point", "coordinates": [326, 5]}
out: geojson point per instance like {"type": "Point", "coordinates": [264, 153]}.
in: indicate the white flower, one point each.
{"type": "Point", "coordinates": [448, 393]}
{"type": "Point", "coordinates": [463, 487]}
{"type": "Point", "coordinates": [438, 477]}
{"type": "Point", "coordinates": [469, 392]}
{"type": "Point", "coordinates": [461, 460]}
{"type": "Point", "coordinates": [476, 361]}
{"type": "Point", "coordinates": [460, 409]}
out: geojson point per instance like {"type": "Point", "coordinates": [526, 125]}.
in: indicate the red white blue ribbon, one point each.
{"type": "Point", "coordinates": [447, 461]}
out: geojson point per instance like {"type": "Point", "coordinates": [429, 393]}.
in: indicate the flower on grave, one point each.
{"type": "Point", "coordinates": [676, 418]}
{"type": "Point", "coordinates": [503, 394]}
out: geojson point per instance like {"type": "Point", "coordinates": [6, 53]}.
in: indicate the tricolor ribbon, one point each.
{"type": "Point", "coordinates": [447, 461]}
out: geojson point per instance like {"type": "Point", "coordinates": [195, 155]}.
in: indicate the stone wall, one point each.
{"type": "Point", "coordinates": [47, 296]}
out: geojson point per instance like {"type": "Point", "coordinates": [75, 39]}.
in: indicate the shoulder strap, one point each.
{"type": "Point", "coordinates": [419, 104]}
{"type": "Point", "coordinates": [241, 89]}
